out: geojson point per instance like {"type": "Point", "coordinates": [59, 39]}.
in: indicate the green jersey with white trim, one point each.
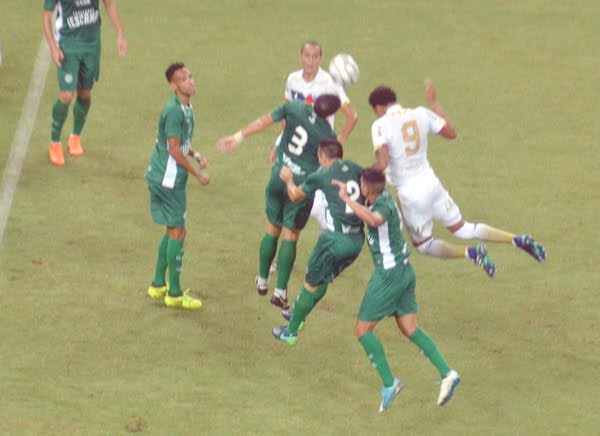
{"type": "Point", "coordinates": [77, 22]}
{"type": "Point", "coordinates": [386, 241]}
{"type": "Point", "coordinates": [176, 119]}
{"type": "Point", "coordinates": [339, 216]}
{"type": "Point", "coordinates": [300, 140]}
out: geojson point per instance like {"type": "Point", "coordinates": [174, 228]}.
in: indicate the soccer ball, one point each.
{"type": "Point", "coordinates": [344, 69]}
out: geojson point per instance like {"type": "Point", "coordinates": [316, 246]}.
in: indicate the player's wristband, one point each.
{"type": "Point", "coordinates": [197, 155]}
{"type": "Point", "coordinates": [238, 136]}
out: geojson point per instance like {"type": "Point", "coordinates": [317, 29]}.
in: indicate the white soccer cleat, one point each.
{"type": "Point", "coordinates": [448, 384]}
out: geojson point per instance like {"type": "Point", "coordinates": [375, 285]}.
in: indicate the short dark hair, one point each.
{"type": "Point", "coordinates": [331, 148]}
{"type": "Point", "coordinates": [374, 178]}
{"type": "Point", "coordinates": [382, 96]}
{"type": "Point", "coordinates": [171, 70]}
{"type": "Point", "coordinates": [327, 104]}
{"type": "Point", "coordinates": [314, 44]}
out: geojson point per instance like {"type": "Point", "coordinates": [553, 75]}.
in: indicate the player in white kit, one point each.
{"type": "Point", "coordinates": [400, 142]}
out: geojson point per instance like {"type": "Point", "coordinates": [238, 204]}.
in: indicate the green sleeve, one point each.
{"type": "Point", "coordinates": [312, 183]}
{"type": "Point", "coordinates": [279, 113]}
{"type": "Point", "coordinates": [382, 207]}
{"type": "Point", "coordinates": [49, 5]}
{"type": "Point", "coordinates": [173, 122]}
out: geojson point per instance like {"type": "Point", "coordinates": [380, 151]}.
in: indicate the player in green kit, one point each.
{"type": "Point", "coordinates": [167, 176]}
{"type": "Point", "coordinates": [75, 49]}
{"type": "Point", "coordinates": [337, 247]}
{"type": "Point", "coordinates": [391, 289]}
{"type": "Point", "coordinates": [305, 127]}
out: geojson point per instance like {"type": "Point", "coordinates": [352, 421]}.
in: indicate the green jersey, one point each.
{"type": "Point", "coordinates": [339, 216]}
{"type": "Point", "coordinates": [303, 132]}
{"type": "Point", "coordinates": [176, 119]}
{"type": "Point", "coordinates": [386, 242]}
{"type": "Point", "coordinates": [77, 22]}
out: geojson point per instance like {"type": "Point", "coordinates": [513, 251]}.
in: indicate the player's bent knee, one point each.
{"type": "Point", "coordinates": [423, 247]}
{"type": "Point", "coordinates": [466, 231]}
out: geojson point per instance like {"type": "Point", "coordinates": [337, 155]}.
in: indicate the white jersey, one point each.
{"type": "Point", "coordinates": [405, 131]}
{"type": "Point", "coordinates": [296, 88]}
{"type": "Point", "coordinates": [423, 198]}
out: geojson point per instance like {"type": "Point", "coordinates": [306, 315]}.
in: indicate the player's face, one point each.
{"type": "Point", "coordinates": [310, 59]}
{"type": "Point", "coordinates": [183, 82]}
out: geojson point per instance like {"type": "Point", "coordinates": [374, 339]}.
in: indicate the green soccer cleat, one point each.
{"type": "Point", "coordinates": [184, 301]}
{"type": "Point", "coordinates": [158, 292]}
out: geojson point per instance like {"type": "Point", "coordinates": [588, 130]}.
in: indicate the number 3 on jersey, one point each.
{"type": "Point", "coordinates": [353, 191]}
{"type": "Point", "coordinates": [296, 145]}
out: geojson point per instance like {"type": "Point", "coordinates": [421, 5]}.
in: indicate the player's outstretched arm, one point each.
{"type": "Point", "coordinates": [448, 131]}
{"type": "Point", "coordinates": [230, 143]}
{"type": "Point", "coordinates": [372, 219]}
{"type": "Point", "coordinates": [115, 18]}
{"type": "Point", "coordinates": [351, 120]}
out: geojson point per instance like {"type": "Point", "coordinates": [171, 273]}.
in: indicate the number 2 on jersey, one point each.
{"type": "Point", "coordinates": [411, 137]}
{"type": "Point", "coordinates": [298, 141]}
{"type": "Point", "coordinates": [353, 191]}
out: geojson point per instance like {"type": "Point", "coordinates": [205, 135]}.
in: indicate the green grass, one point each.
{"type": "Point", "coordinates": [85, 351]}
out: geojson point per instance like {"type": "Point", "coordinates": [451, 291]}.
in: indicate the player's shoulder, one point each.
{"type": "Point", "coordinates": [294, 77]}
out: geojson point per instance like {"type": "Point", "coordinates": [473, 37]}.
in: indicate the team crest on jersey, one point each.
{"type": "Point", "coordinates": [68, 78]}
{"type": "Point", "coordinates": [344, 168]}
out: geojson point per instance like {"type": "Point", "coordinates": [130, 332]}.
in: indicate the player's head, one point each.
{"type": "Point", "coordinates": [181, 80]}
{"type": "Point", "coordinates": [310, 58]}
{"type": "Point", "coordinates": [372, 182]}
{"type": "Point", "coordinates": [326, 105]}
{"type": "Point", "coordinates": [330, 150]}
{"type": "Point", "coordinates": [381, 97]}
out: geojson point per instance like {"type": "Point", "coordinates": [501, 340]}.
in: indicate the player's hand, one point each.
{"type": "Point", "coordinates": [430, 94]}
{"type": "Point", "coordinates": [57, 56]}
{"type": "Point", "coordinates": [122, 45]}
{"type": "Point", "coordinates": [202, 162]}
{"type": "Point", "coordinates": [343, 190]}
{"type": "Point", "coordinates": [204, 179]}
{"type": "Point", "coordinates": [227, 144]}
{"type": "Point", "coordinates": [273, 154]}
{"type": "Point", "coordinates": [286, 174]}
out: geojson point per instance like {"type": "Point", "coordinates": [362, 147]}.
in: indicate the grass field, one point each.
{"type": "Point", "coordinates": [84, 349]}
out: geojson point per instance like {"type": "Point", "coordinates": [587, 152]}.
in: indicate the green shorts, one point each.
{"type": "Point", "coordinates": [167, 206]}
{"type": "Point", "coordinates": [333, 253]}
{"type": "Point", "coordinates": [389, 292]}
{"type": "Point", "coordinates": [280, 210]}
{"type": "Point", "coordinates": [80, 69]}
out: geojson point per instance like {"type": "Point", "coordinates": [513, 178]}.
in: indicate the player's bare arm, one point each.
{"type": "Point", "coordinates": [182, 160]}
{"type": "Point", "coordinates": [381, 158]}
{"type": "Point", "coordinates": [56, 53]}
{"type": "Point", "coordinates": [202, 161]}
{"type": "Point", "coordinates": [294, 191]}
{"type": "Point", "coordinates": [351, 120]}
{"type": "Point", "coordinates": [448, 131]}
{"type": "Point", "coordinates": [230, 143]}
{"type": "Point", "coordinates": [113, 14]}
{"type": "Point", "coordinates": [372, 219]}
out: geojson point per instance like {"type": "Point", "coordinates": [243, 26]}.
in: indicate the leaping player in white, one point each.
{"type": "Point", "coordinates": [400, 141]}
{"type": "Point", "coordinates": [308, 84]}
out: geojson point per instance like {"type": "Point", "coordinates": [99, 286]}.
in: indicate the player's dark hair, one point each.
{"type": "Point", "coordinates": [331, 148]}
{"type": "Point", "coordinates": [382, 96]}
{"type": "Point", "coordinates": [171, 70]}
{"type": "Point", "coordinates": [312, 43]}
{"type": "Point", "coordinates": [374, 178]}
{"type": "Point", "coordinates": [327, 104]}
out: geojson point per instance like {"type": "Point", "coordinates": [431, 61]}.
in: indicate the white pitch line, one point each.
{"type": "Point", "coordinates": [20, 143]}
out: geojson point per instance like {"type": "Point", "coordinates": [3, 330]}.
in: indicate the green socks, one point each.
{"type": "Point", "coordinates": [80, 111]}
{"type": "Point", "coordinates": [430, 349]}
{"type": "Point", "coordinates": [376, 355]}
{"type": "Point", "coordinates": [302, 307]}
{"type": "Point", "coordinates": [320, 293]}
{"type": "Point", "coordinates": [285, 261]}
{"type": "Point", "coordinates": [266, 253]}
{"type": "Point", "coordinates": [175, 262]}
{"type": "Point", "coordinates": [161, 263]}
{"type": "Point", "coordinates": [59, 115]}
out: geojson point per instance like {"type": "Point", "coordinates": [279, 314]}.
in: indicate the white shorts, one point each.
{"type": "Point", "coordinates": [423, 199]}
